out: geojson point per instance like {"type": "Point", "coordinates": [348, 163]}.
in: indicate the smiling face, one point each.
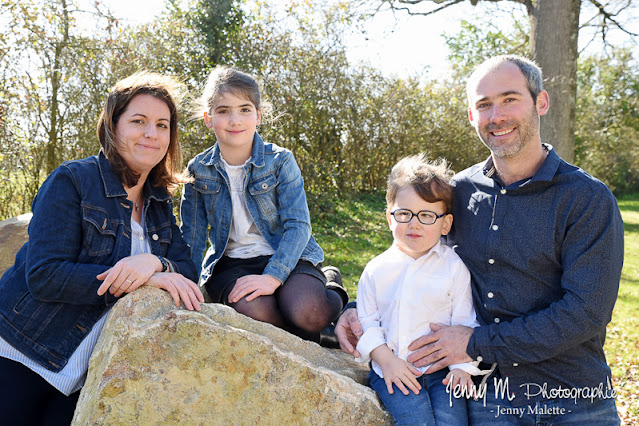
{"type": "Point", "coordinates": [503, 111]}
{"type": "Point", "coordinates": [234, 120]}
{"type": "Point", "coordinates": [414, 238]}
{"type": "Point", "coordinates": [143, 133]}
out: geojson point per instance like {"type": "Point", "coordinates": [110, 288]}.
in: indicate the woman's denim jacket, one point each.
{"type": "Point", "coordinates": [81, 226]}
{"type": "Point", "coordinates": [275, 197]}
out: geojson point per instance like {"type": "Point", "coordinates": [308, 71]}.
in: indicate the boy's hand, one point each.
{"type": "Point", "coordinates": [459, 377]}
{"type": "Point", "coordinates": [396, 371]}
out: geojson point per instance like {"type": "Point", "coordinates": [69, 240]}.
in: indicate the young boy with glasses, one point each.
{"type": "Point", "coordinates": [418, 281]}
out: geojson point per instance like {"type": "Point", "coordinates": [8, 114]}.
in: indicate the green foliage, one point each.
{"type": "Point", "coordinates": [607, 134]}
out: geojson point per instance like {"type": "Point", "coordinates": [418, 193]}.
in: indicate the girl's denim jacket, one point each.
{"type": "Point", "coordinates": [274, 191]}
{"type": "Point", "coordinates": [81, 226]}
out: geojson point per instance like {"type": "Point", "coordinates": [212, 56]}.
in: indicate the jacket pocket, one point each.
{"type": "Point", "coordinates": [100, 231]}
{"type": "Point", "coordinates": [207, 186]}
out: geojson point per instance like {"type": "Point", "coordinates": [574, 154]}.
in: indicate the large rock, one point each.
{"type": "Point", "coordinates": [13, 235]}
{"type": "Point", "coordinates": [158, 364]}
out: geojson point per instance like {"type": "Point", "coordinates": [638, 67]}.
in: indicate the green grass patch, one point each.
{"type": "Point", "coordinates": [352, 231]}
{"type": "Point", "coordinates": [622, 340]}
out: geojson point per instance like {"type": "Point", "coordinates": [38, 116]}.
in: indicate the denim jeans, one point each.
{"type": "Point", "coordinates": [498, 411]}
{"type": "Point", "coordinates": [427, 408]}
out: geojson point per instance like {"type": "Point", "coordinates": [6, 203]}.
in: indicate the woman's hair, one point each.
{"type": "Point", "coordinates": [223, 79]}
{"type": "Point", "coordinates": [168, 89]}
{"type": "Point", "coordinates": [430, 180]}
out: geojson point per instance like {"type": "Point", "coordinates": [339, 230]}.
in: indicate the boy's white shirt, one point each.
{"type": "Point", "coordinates": [398, 297]}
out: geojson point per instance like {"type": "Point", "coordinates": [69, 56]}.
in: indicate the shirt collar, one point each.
{"type": "Point", "coordinates": [546, 172]}
{"type": "Point", "coordinates": [437, 248]}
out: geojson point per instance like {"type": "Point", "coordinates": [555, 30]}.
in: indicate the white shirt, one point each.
{"type": "Point", "coordinates": [245, 240]}
{"type": "Point", "coordinates": [398, 297]}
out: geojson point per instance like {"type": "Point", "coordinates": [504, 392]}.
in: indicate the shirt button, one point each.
{"type": "Point", "coordinates": [141, 237]}
{"type": "Point", "coordinates": [490, 295]}
{"type": "Point", "coordinates": [155, 237]}
{"type": "Point", "coordinates": [403, 337]}
{"type": "Point", "coordinates": [491, 261]}
{"type": "Point", "coordinates": [495, 227]}
{"type": "Point", "coordinates": [502, 192]}
{"type": "Point", "coordinates": [264, 185]}
{"type": "Point", "coordinates": [515, 365]}
{"type": "Point", "coordinates": [480, 359]}
{"type": "Point", "coordinates": [497, 320]}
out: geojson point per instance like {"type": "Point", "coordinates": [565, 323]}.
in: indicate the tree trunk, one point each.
{"type": "Point", "coordinates": [554, 28]}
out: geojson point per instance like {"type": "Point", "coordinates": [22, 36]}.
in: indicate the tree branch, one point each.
{"type": "Point", "coordinates": [607, 16]}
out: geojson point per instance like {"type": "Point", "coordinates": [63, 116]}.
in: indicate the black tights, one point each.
{"type": "Point", "coordinates": [302, 306]}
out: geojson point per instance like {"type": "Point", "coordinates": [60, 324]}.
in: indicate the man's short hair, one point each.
{"type": "Point", "coordinates": [530, 70]}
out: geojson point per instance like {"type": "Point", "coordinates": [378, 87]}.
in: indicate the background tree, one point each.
{"type": "Point", "coordinates": [554, 31]}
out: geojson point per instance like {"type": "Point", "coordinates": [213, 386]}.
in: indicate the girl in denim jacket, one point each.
{"type": "Point", "coordinates": [248, 196]}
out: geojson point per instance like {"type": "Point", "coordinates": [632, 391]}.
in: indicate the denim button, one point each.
{"type": "Point", "coordinates": [155, 237]}
{"type": "Point", "coordinates": [264, 185]}
{"type": "Point", "coordinates": [495, 227]}
{"type": "Point", "coordinates": [502, 192]}
{"type": "Point", "coordinates": [491, 261]}
{"type": "Point", "coordinates": [490, 295]}
{"type": "Point", "coordinates": [480, 359]}
{"type": "Point", "coordinates": [203, 186]}
{"type": "Point", "coordinates": [497, 320]}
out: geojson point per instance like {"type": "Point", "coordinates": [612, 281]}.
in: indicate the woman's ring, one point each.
{"type": "Point", "coordinates": [131, 282]}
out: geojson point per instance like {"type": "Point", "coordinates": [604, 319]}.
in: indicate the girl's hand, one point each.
{"type": "Point", "coordinates": [180, 288]}
{"type": "Point", "coordinates": [128, 274]}
{"type": "Point", "coordinates": [253, 286]}
{"type": "Point", "coordinates": [396, 371]}
{"type": "Point", "coordinates": [459, 377]}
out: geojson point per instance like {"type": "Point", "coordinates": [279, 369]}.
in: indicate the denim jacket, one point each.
{"type": "Point", "coordinates": [276, 200]}
{"type": "Point", "coordinates": [81, 226]}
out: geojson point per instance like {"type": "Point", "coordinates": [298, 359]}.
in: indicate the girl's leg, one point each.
{"type": "Point", "coordinates": [411, 409]}
{"type": "Point", "coordinates": [28, 399]}
{"type": "Point", "coordinates": [263, 308]}
{"type": "Point", "coordinates": [306, 304]}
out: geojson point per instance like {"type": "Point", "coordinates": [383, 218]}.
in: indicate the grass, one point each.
{"type": "Point", "coordinates": [352, 231]}
{"type": "Point", "coordinates": [622, 340]}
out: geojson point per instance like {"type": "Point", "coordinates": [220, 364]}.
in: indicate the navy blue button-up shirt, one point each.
{"type": "Point", "coordinates": [545, 255]}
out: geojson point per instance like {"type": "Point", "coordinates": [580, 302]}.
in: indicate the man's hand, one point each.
{"type": "Point", "coordinates": [348, 331]}
{"type": "Point", "coordinates": [446, 345]}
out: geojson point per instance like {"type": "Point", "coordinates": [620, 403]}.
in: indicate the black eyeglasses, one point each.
{"type": "Point", "coordinates": [424, 216]}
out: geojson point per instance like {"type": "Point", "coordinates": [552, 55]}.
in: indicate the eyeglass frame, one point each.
{"type": "Point", "coordinates": [437, 216]}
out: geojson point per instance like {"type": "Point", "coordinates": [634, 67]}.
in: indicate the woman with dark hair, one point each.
{"type": "Point", "coordinates": [101, 227]}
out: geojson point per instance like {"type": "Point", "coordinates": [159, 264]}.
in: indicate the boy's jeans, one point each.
{"type": "Point", "coordinates": [432, 403]}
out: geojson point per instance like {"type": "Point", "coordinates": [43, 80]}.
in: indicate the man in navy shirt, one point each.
{"type": "Point", "coordinates": [544, 243]}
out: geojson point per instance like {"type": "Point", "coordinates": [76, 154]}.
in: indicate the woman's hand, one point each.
{"type": "Point", "coordinates": [180, 288]}
{"type": "Point", "coordinates": [128, 274]}
{"type": "Point", "coordinates": [253, 286]}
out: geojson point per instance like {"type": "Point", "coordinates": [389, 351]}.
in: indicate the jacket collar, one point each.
{"type": "Point", "coordinates": [113, 186]}
{"type": "Point", "coordinates": [257, 154]}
